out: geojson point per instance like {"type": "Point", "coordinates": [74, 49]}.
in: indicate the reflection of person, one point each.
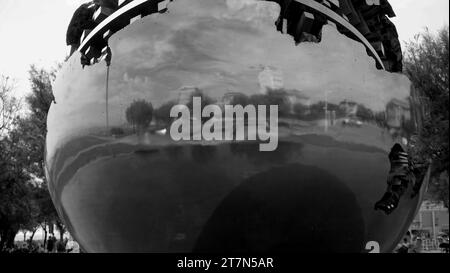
{"type": "Point", "coordinates": [83, 19]}
{"type": "Point", "coordinates": [61, 245]}
{"type": "Point", "coordinates": [40, 249]}
{"type": "Point", "coordinates": [417, 245]}
{"type": "Point", "coordinates": [72, 246]}
{"type": "Point", "coordinates": [51, 244]}
{"type": "Point", "coordinates": [403, 247]}
{"type": "Point", "coordinates": [398, 180]}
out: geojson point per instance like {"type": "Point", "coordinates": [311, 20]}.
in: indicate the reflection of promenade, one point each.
{"type": "Point", "coordinates": [190, 191]}
{"type": "Point", "coordinates": [367, 134]}
{"type": "Point", "coordinates": [289, 128]}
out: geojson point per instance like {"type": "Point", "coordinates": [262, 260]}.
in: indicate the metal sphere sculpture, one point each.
{"type": "Point", "coordinates": [241, 126]}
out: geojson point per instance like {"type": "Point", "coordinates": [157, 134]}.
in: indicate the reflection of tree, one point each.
{"type": "Point", "coordinates": [317, 110]}
{"type": "Point", "coordinates": [205, 101]}
{"type": "Point", "coordinates": [409, 127]}
{"type": "Point", "coordinates": [198, 93]}
{"type": "Point", "coordinates": [278, 97]}
{"type": "Point", "coordinates": [140, 114]}
{"type": "Point", "coordinates": [380, 119]}
{"type": "Point", "coordinates": [364, 113]}
{"type": "Point", "coordinates": [162, 114]}
{"type": "Point", "coordinates": [25, 202]}
{"type": "Point", "coordinates": [238, 99]}
{"type": "Point", "coordinates": [301, 111]}
{"type": "Point", "coordinates": [116, 131]}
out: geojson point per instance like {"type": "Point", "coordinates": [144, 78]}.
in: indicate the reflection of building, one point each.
{"type": "Point", "coordinates": [270, 78]}
{"type": "Point", "coordinates": [349, 108]}
{"type": "Point", "coordinates": [431, 222]}
{"type": "Point", "coordinates": [397, 112]}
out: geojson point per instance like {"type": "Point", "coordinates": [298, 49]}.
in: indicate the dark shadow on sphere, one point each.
{"type": "Point", "coordinates": [285, 152]}
{"type": "Point", "coordinates": [203, 154]}
{"type": "Point", "coordinates": [174, 152]}
{"type": "Point", "coordinates": [294, 208]}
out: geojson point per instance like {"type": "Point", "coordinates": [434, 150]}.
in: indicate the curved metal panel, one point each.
{"type": "Point", "coordinates": [123, 183]}
{"type": "Point", "coordinates": [339, 20]}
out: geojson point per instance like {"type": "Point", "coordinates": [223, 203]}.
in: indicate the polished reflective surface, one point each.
{"type": "Point", "coordinates": [122, 184]}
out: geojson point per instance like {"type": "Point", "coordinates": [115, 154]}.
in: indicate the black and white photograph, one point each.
{"type": "Point", "coordinates": [235, 129]}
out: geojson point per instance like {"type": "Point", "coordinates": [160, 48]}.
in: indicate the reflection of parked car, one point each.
{"type": "Point", "coordinates": [352, 122]}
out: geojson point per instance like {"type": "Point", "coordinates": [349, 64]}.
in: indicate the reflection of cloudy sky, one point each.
{"type": "Point", "coordinates": [220, 46]}
{"type": "Point", "coordinates": [207, 44]}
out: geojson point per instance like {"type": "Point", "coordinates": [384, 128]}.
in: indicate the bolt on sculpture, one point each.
{"type": "Point", "coordinates": [345, 128]}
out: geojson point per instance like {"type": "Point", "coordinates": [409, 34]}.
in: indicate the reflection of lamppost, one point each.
{"type": "Point", "coordinates": [326, 109]}
{"type": "Point", "coordinates": [107, 97]}
{"type": "Point", "coordinates": [108, 56]}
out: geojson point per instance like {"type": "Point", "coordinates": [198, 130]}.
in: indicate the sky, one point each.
{"type": "Point", "coordinates": [33, 32]}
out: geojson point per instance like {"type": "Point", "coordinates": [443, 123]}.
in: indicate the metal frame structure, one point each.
{"type": "Point", "coordinates": [93, 44]}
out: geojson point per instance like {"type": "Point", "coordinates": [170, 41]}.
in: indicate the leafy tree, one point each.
{"type": "Point", "coordinates": [26, 203]}
{"type": "Point", "coordinates": [15, 191]}
{"type": "Point", "coordinates": [9, 105]}
{"type": "Point", "coordinates": [427, 65]}
{"type": "Point", "coordinates": [32, 131]}
{"type": "Point", "coordinates": [162, 114]}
